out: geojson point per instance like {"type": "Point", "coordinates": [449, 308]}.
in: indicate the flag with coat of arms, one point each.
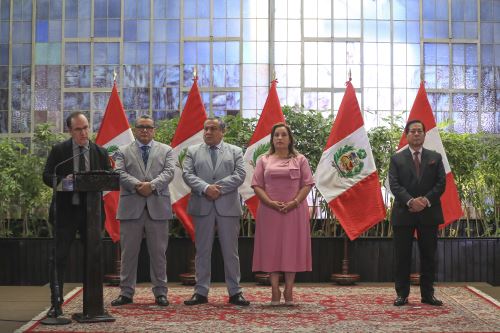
{"type": "Point", "coordinates": [259, 144]}
{"type": "Point", "coordinates": [346, 175]}
{"type": "Point", "coordinates": [189, 132]}
{"type": "Point", "coordinates": [114, 132]}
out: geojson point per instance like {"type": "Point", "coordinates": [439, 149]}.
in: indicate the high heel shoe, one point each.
{"type": "Point", "coordinates": [275, 302]}
{"type": "Point", "coordinates": [288, 298]}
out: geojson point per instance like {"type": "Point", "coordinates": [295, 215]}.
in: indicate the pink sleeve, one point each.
{"type": "Point", "coordinates": [258, 174]}
{"type": "Point", "coordinates": [306, 173]}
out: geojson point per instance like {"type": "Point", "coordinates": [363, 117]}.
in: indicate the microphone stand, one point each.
{"type": "Point", "coordinates": [54, 284]}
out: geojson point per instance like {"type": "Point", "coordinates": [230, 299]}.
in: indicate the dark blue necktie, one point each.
{"type": "Point", "coordinates": [145, 154]}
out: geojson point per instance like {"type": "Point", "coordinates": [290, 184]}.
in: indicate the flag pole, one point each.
{"type": "Point", "coordinates": [264, 278]}
{"type": "Point", "coordinates": [113, 278]}
{"type": "Point", "coordinates": [189, 278]}
{"type": "Point", "coordinates": [345, 278]}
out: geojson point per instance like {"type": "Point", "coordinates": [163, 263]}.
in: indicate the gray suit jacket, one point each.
{"type": "Point", "coordinates": [159, 171]}
{"type": "Point", "coordinates": [229, 173]}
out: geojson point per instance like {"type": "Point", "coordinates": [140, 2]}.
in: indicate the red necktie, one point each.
{"type": "Point", "coordinates": [416, 161]}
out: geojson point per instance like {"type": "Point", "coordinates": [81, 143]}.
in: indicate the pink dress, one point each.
{"type": "Point", "coordinates": [282, 240]}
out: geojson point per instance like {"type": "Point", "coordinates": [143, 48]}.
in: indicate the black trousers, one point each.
{"type": "Point", "coordinates": [66, 233]}
{"type": "Point", "coordinates": [403, 243]}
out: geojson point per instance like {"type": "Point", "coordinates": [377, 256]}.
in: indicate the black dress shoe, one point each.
{"type": "Point", "coordinates": [196, 299]}
{"type": "Point", "coordinates": [400, 300]}
{"type": "Point", "coordinates": [162, 300]}
{"type": "Point", "coordinates": [432, 301]}
{"type": "Point", "coordinates": [54, 311]}
{"type": "Point", "coordinates": [121, 300]}
{"type": "Point", "coordinates": [238, 299]}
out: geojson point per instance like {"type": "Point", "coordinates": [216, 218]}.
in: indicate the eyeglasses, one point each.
{"type": "Point", "coordinates": [144, 128]}
{"type": "Point", "coordinates": [80, 129]}
{"type": "Point", "coordinates": [419, 131]}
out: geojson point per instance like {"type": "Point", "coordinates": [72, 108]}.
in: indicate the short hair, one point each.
{"type": "Point", "coordinates": [222, 124]}
{"type": "Point", "coordinates": [73, 115]}
{"type": "Point", "coordinates": [144, 116]}
{"type": "Point", "coordinates": [411, 122]}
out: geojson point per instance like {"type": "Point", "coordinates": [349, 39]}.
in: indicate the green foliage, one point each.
{"type": "Point", "coordinates": [475, 162]}
{"type": "Point", "coordinates": [474, 159]}
{"type": "Point", "coordinates": [44, 138]}
{"type": "Point", "coordinates": [23, 196]}
{"type": "Point", "coordinates": [165, 130]}
{"type": "Point", "coordinates": [384, 141]}
{"type": "Point", "coordinates": [310, 131]}
{"type": "Point", "coordinates": [239, 130]}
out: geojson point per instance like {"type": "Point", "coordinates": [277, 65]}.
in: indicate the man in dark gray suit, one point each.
{"type": "Point", "coordinates": [71, 206]}
{"type": "Point", "coordinates": [214, 170]}
{"type": "Point", "coordinates": [417, 180]}
{"type": "Point", "coordinates": [146, 167]}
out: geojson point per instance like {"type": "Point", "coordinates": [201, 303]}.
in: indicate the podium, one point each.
{"type": "Point", "coordinates": [93, 183]}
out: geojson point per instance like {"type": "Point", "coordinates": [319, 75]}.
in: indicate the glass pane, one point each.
{"type": "Point", "coordinates": [471, 77]}
{"type": "Point", "coordinates": [232, 76]}
{"type": "Point", "coordinates": [219, 76]}
{"type": "Point", "coordinates": [232, 53]}
{"type": "Point", "coordinates": [324, 76]}
{"type": "Point", "coordinates": [100, 28]}
{"type": "Point", "coordinates": [458, 78]}
{"type": "Point", "coordinates": [173, 55]}
{"type": "Point", "coordinates": [442, 77]}
{"type": "Point", "coordinates": [470, 30]}
{"type": "Point", "coordinates": [413, 31]}
{"type": "Point", "coordinates": [430, 76]}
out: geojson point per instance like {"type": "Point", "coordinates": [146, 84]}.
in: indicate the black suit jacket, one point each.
{"type": "Point", "coordinates": [405, 185]}
{"type": "Point", "coordinates": [99, 160]}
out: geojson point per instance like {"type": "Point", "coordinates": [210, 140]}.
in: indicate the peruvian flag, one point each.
{"type": "Point", "coordinates": [259, 144]}
{"type": "Point", "coordinates": [346, 175]}
{"type": "Point", "coordinates": [421, 110]}
{"type": "Point", "coordinates": [189, 132]}
{"type": "Point", "coordinates": [114, 132]}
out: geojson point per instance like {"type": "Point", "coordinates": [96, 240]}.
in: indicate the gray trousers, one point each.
{"type": "Point", "coordinates": [228, 228]}
{"type": "Point", "coordinates": [131, 234]}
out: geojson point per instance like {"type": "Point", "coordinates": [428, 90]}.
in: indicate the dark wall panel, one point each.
{"type": "Point", "coordinates": [24, 261]}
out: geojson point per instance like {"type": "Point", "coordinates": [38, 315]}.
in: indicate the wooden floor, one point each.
{"type": "Point", "coordinates": [18, 305]}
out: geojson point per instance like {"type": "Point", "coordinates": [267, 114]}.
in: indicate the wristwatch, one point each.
{"type": "Point", "coordinates": [153, 188]}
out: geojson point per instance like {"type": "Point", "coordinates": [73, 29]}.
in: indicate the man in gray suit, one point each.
{"type": "Point", "coordinates": [214, 170]}
{"type": "Point", "coordinates": [146, 167]}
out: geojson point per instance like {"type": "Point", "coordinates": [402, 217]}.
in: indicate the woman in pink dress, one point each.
{"type": "Point", "coordinates": [281, 181]}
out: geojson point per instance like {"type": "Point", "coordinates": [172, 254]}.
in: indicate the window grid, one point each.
{"type": "Point", "coordinates": [61, 52]}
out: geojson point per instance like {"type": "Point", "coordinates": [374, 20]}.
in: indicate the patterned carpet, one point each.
{"type": "Point", "coordinates": [318, 309]}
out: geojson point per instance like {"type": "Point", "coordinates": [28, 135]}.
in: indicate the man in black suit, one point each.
{"type": "Point", "coordinates": [417, 180]}
{"type": "Point", "coordinates": [71, 206]}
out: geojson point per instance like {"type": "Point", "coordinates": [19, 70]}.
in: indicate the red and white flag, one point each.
{"type": "Point", "coordinates": [189, 132]}
{"type": "Point", "coordinates": [421, 110]}
{"type": "Point", "coordinates": [259, 144]}
{"type": "Point", "coordinates": [346, 175]}
{"type": "Point", "coordinates": [114, 132]}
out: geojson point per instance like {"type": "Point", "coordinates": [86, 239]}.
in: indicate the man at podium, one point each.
{"type": "Point", "coordinates": [76, 154]}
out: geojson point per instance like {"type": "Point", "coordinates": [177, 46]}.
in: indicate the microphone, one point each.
{"type": "Point", "coordinates": [54, 179]}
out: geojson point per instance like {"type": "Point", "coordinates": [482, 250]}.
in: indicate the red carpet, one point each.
{"type": "Point", "coordinates": [319, 309]}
